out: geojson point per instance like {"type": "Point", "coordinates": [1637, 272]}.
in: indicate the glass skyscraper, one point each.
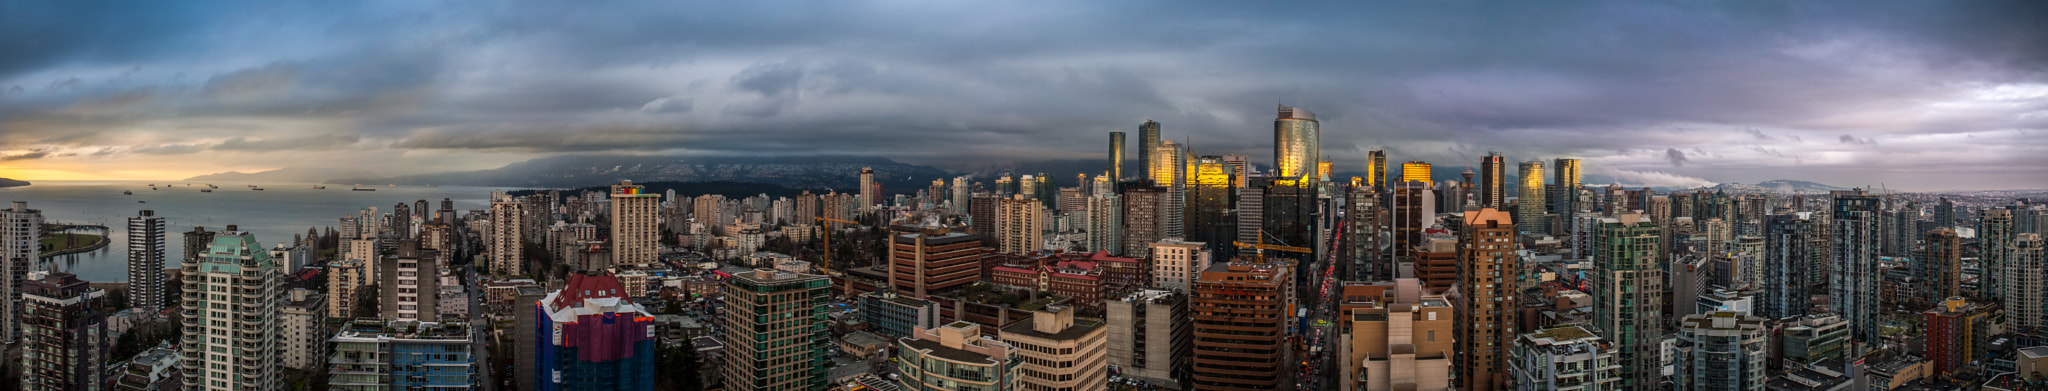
{"type": "Point", "coordinates": [1295, 145]}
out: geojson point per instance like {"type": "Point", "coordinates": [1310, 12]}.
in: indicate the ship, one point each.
{"type": "Point", "coordinates": [363, 189]}
{"type": "Point", "coordinates": [127, 192]}
{"type": "Point", "coordinates": [256, 188]}
{"type": "Point", "coordinates": [319, 187]}
{"type": "Point", "coordinates": [206, 190]}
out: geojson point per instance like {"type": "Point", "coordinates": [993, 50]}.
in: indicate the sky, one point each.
{"type": "Point", "coordinates": [1909, 94]}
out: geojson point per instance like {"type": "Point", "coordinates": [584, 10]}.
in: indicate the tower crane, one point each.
{"type": "Point", "coordinates": [827, 265]}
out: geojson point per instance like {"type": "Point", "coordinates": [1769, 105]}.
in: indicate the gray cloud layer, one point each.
{"type": "Point", "coordinates": [1844, 92]}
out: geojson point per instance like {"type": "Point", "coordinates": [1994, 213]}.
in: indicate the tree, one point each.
{"type": "Point", "coordinates": [687, 365]}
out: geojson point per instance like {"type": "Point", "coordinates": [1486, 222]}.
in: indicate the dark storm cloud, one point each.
{"type": "Point", "coordinates": [1692, 87]}
{"type": "Point", "coordinates": [24, 156]}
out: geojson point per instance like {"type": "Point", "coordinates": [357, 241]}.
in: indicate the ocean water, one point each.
{"type": "Point", "coordinates": [273, 215]}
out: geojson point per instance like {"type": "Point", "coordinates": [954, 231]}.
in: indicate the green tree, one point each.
{"type": "Point", "coordinates": [687, 365]}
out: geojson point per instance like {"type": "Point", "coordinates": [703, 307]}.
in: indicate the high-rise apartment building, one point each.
{"type": "Point", "coordinates": [1564, 358]}
{"type": "Point", "coordinates": [232, 337]}
{"type": "Point", "coordinates": [1403, 341]}
{"type": "Point", "coordinates": [1628, 283]}
{"type": "Point", "coordinates": [1296, 149]}
{"type": "Point", "coordinates": [1939, 268]}
{"type": "Point", "coordinates": [1151, 337]}
{"type": "Point", "coordinates": [1144, 217]}
{"type": "Point", "coordinates": [506, 248]}
{"type": "Point", "coordinates": [1104, 214]}
{"type": "Point", "coordinates": [1148, 139]}
{"type": "Point", "coordinates": [593, 337]}
{"type": "Point", "coordinates": [1363, 218]}
{"type": "Point", "coordinates": [21, 231]}
{"type": "Point", "coordinates": [636, 225]}
{"type": "Point", "coordinates": [1852, 257]}
{"type": "Point", "coordinates": [1945, 213]}
{"type": "Point", "coordinates": [1413, 210]}
{"type": "Point", "coordinates": [347, 283]}
{"type": "Point", "coordinates": [65, 342]}
{"type": "Point", "coordinates": [304, 327]}
{"type": "Point", "coordinates": [1994, 237]}
{"type": "Point", "coordinates": [868, 196]}
{"type": "Point", "coordinates": [2029, 308]}
{"type": "Point", "coordinates": [1489, 272]}
{"type": "Point", "coordinates": [1723, 350]}
{"type": "Point", "coordinates": [1116, 156]}
{"type": "Point", "coordinates": [402, 355]}
{"type": "Point", "coordinates": [1020, 225]}
{"type": "Point", "coordinates": [1492, 182]}
{"type": "Point", "coordinates": [1208, 195]}
{"type": "Point", "coordinates": [1955, 330]}
{"type": "Point", "coordinates": [1529, 211]}
{"type": "Point", "coordinates": [933, 261]}
{"type": "Point", "coordinates": [1240, 320]}
{"type": "Point", "coordinates": [408, 284]}
{"type": "Point", "coordinates": [1788, 252]}
{"type": "Point", "coordinates": [786, 313]}
{"type": "Point", "coordinates": [146, 261]}
{"type": "Point", "coordinates": [956, 357]}
{"type": "Point", "coordinates": [1169, 170]}
{"type": "Point", "coordinates": [1176, 263]}
{"type": "Point", "coordinates": [1060, 351]}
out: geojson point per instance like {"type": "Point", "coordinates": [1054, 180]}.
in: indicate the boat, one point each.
{"type": "Point", "coordinates": [319, 187]}
{"type": "Point", "coordinates": [364, 189]}
{"type": "Point", "coordinates": [256, 188]}
{"type": "Point", "coordinates": [127, 192]}
{"type": "Point", "coordinates": [206, 190]}
{"type": "Point", "coordinates": [140, 202]}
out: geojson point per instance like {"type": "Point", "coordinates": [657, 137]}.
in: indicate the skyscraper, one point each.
{"type": "Point", "coordinates": [1945, 213]}
{"type": "Point", "coordinates": [1169, 170]}
{"type": "Point", "coordinates": [21, 230]}
{"type": "Point", "coordinates": [1240, 322]}
{"type": "Point", "coordinates": [786, 313]}
{"type": "Point", "coordinates": [1564, 188]}
{"type": "Point", "coordinates": [1148, 139]}
{"type": "Point", "coordinates": [1020, 224]}
{"type": "Point", "coordinates": [1144, 217]}
{"type": "Point", "coordinates": [1150, 336]}
{"type": "Point", "coordinates": [2030, 306]}
{"type": "Point", "coordinates": [1628, 296]}
{"type": "Point", "coordinates": [636, 229]}
{"type": "Point", "coordinates": [593, 337]}
{"type": "Point", "coordinates": [146, 261]}
{"type": "Point", "coordinates": [1207, 216]}
{"type": "Point", "coordinates": [1489, 272]}
{"type": "Point", "coordinates": [1376, 170]}
{"type": "Point", "coordinates": [1296, 147]}
{"type": "Point", "coordinates": [232, 340]}
{"type": "Point", "coordinates": [1530, 205]}
{"type": "Point", "coordinates": [1939, 268]}
{"type": "Point", "coordinates": [1105, 223]}
{"type": "Point", "coordinates": [1788, 242]}
{"type": "Point", "coordinates": [1852, 251]}
{"type": "Point", "coordinates": [1240, 170]}
{"type": "Point", "coordinates": [1994, 237]}
{"type": "Point", "coordinates": [1416, 171]}
{"type": "Point", "coordinates": [1492, 182]}
{"type": "Point", "coordinates": [506, 247]}
{"type": "Point", "coordinates": [1723, 350]}
{"type": "Point", "coordinates": [1413, 210]}
{"type": "Point", "coordinates": [408, 284]}
{"type": "Point", "coordinates": [1116, 156]}
{"type": "Point", "coordinates": [1363, 217]}
{"type": "Point", "coordinates": [67, 345]}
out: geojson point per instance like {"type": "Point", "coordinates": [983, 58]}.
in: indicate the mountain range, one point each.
{"type": "Point", "coordinates": [840, 173]}
{"type": "Point", "coordinates": [287, 174]}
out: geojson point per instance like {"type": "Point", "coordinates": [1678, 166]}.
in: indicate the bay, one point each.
{"type": "Point", "coordinates": [273, 215]}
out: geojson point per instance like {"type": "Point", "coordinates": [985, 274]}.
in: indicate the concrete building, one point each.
{"type": "Point", "coordinates": [786, 313]}
{"type": "Point", "coordinates": [304, 320]}
{"type": "Point", "coordinates": [232, 337]}
{"type": "Point", "coordinates": [1564, 358]}
{"type": "Point", "coordinates": [933, 260]}
{"type": "Point", "coordinates": [1144, 217]}
{"type": "Point", "coordinates": [1490, 278]}
{"type": "Point", "coordinates": [402, 355]}
{"type": "Point", "coordinates": [65, 344]}
{"type": "Point", "coordinates": [1240, 323]}
{"type": "Point", "coordinates": [1954, 330]}
{"type": "Point", "coordinates": [1059, 351]}
{"type": "Point", "coordinates": [636, 225]}
{"type": "Point", "coordinates": [590, 336]}
{"type": "Point", "coordinates": [2025, 283]}
{"type": "Point", "coordinates": [1020, 225]}
{"type": "Point", "coordinates": [1402, 341]}
{"type": "Point", "coordinates": [1995, 237]}
{"type": "Point", "coordinates": [407, 287]}
{"type": "Point", "coordinates": [1814, 339]}
{"type": "Point", "coordinates": [146, 261]}
{"type": "Point", "coordinates": [868, 197]}
{"type": "Point", "coordinates": [1627, 289]}
{"type": "Point", "coordinates": [1104, 214]}
{"type": "Point", "coordinates": [153, 370]}
{"type": "Point", "coordinates": [1788, 252]}
{"type": "Point", "coordinates": [21, 231]}
{"type": "Point", "coordinates": [1151, 337]}
{"type": "Point", "coordinates": [956, 357]}
{"type": "Point", "coordinates": [1852, 255]}
{"type": "Point", "coordinates": [347, 281]}
{"type": "Point", "coordinates": [1723, 350]}
{"type": "Point", "coordinates": [1176, 264]}
{"type": "Point", "coordinates": [893, 316]}
{"type": "Point", "coordinates": [506, 247]}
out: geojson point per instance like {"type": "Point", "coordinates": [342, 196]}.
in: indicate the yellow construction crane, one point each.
{"type": "Point", "coordinates": [826, 266]}
{"type": "Point", "coordinates": [1262, 247]}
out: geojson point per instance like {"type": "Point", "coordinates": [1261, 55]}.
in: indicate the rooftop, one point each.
{"type": "Point", "coordinates": [863, 338]}
{"type": "Point", "coordinates": [1082, 326]}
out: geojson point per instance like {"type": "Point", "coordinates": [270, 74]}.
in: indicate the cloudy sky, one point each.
{"type": "Point", "coordinates": [1913, 94]}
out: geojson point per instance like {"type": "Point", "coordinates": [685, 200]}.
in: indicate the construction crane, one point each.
{"type": "Point", "coordinates": [826, 266]}
{"type": "Point", "coordinates": [1262, 247]}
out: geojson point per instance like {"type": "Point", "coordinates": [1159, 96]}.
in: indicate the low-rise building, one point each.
{"type": "Point", "coordinates": [1564, 358]}
{"type": "Point", "coordinates": [863, 344]}
{"type": "Point", "coordinates": [1401, 342]}
{"type": "Point", "coordinates": [893, 316]}
{"type": "Point", "coordinates": [155, 369]}
{"type": "Point", "coordinates": [1059, 351]}
{"type": "Point", "coordinates": [956, 356]}
{"type": "Point", "coordinates": [1067, 275]}
{"type": "Point", "coordinates": [1814, 339]}
{"type": "Point", "coordinates": [402, 355]}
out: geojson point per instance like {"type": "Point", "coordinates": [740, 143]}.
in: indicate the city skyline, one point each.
{"type": "Point", "coordinates": [1913, 96]}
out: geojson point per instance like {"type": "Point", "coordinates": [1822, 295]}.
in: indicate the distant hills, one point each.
{"type": "Point", "coordinates": [288, 174]}
{"type": "Point", "coordinates": [840, 173]}
{"type": "Point", "coordinates": [4, 182]}
{"type": "Point", "coordinates": [693, 189]}
{"type": "Point", "coordinates": [1778, 186]}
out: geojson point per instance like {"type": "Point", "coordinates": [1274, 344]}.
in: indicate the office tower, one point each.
{"type": "Point", "coordinates": [1413, 211]}
{"type": "Point", "coordinates": [1723, 350]}
{"type": "Point", "coordinates": [1852, 252]}
{"type": "Point", "coordinates": [603, 341]}
{"type": "Point", "coordinates": [1939, 268]}
{"type": "Point", "coordinates": [1143, 217]}
{"type": "Point", "coordinates": [786, 312]}
{"type": "Point", "coordinates": [1105, 223]}
{"type": "Point", "coordinates": [407, 284]}
{"type": "Point", "coordinates": [21, 230]}
{"type": "Point", "coordinates": [1945, 213]}
{"type": "Point", "coordinates": [1954, 330]}
{"type": "Point", "coordinates": [956, 357]}
{"type": "Point", "coordinates": [1028, 186]}
{"type": "Point", "coordinates": [1490, 274]}
{"type": "Point", "coordinates": [1402, 341]}
{"type": "Point", "coordinates": [1492, 184]}
{"type": "Point", "coordinates": [1151, 336]}
{"type": "Point", "coordinates": [1994, 238]}
{"type": "Point", "coordinates": [1116, 155]}
{"type": "Point", "coordinates": [1376, 170]}
{"type": "Point", "coordinates": [146, 261]}
{"type": "Point", "coordinates": [65, 344]}
{"type": "Point", "coordinates": [1788, 242]}
{"type": "Point", "coordinates": [1417, 171]}
{"type": "Point", "coordinates": [1240, 170]}
{"type": "Point", "coordinates": [868, 197]}
{"type": "Point", "coordinates": [636, 230]}
{"type": "Point", "coordinates": [231, 340]}
{"type": "Point", "coordinates": [304, 320]}
{"type": "Point", "coordinates": [1148, 139]}
{"type": "Point", "coordinates": [1291, 217]}
{"type": "Point", "coordinates": [1450, 196]}
{"type": "Point", "coordinates": [1564, 188]}
{"type": "Point", "coordinates": [1060, 351]}
{"type": "Point", "coordinates": [1169, 165]}
{"type": "Point", "coordinates": [2029, 304]}
{"type": "Point", "coordinates": [933, 261]}
{"type": "Point", "coordinates": [1251, 211]}
{"type": "Point", "coordinates": [1562, 358]}
{"type": "Point", "coordinates": [1363, 216]}
{"type": "Point", "coordinates": [1627, 289]}
{"type": "Point", "coordinates": [1295, 145]}
{"type": "Point", "coordinates": [1240, 313]}
{"type": "Point", "coordinates": [506, 248]}
{"type": "Point", "coordinates": [1020, 224]}
{"type": "Point", "coordinates": [1176, 263]}
{"type": "Point", "coordinates": [1208, 217]}
{"type": "Point", "coordinates": [1529, 210]}
{"type": "Point", "coordinates": [404, 355]}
